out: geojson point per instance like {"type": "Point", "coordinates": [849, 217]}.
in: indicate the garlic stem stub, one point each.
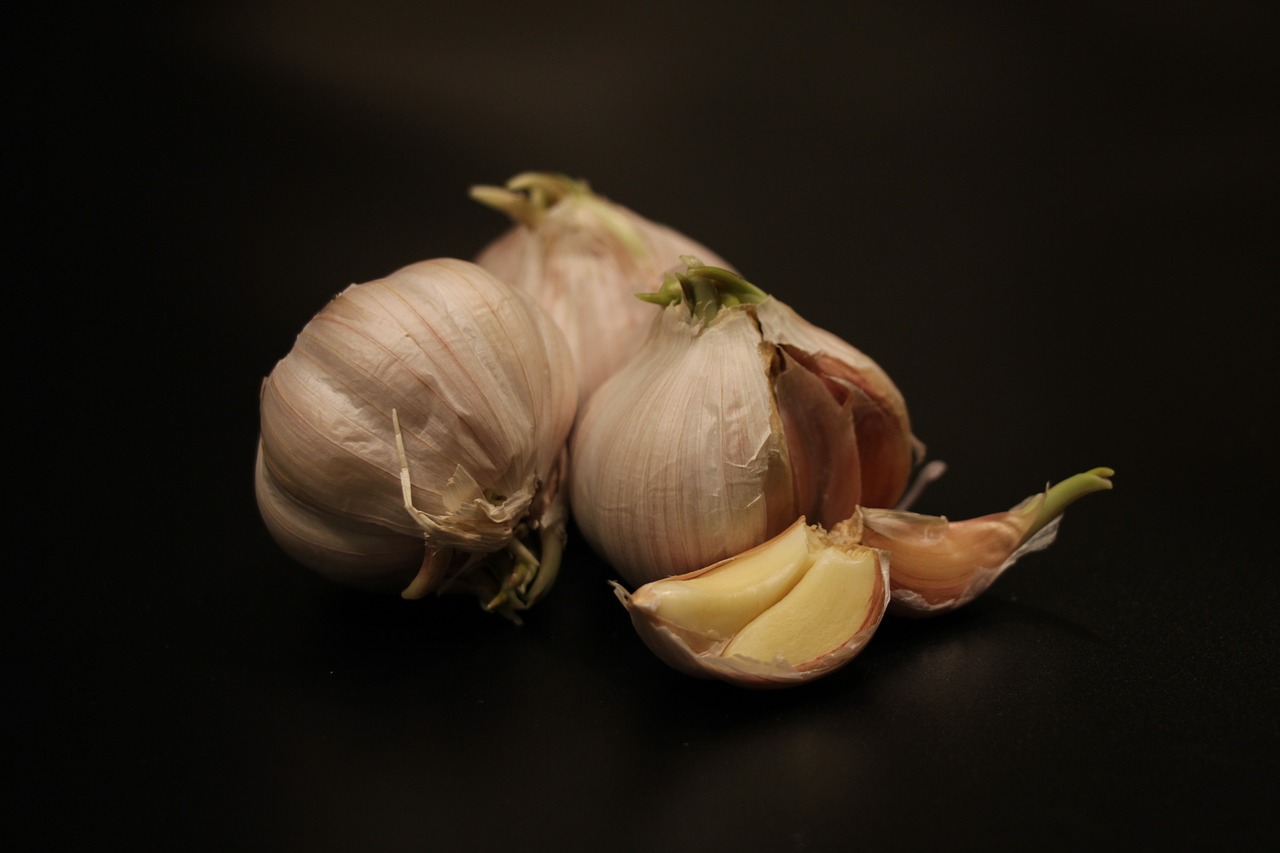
{"type": "Point", "coordinates": [414, 438]}
{"type": "Point", "coordinates": [786, 612]}
{"type": "Point", "coordinates": [581, 256]}
{"type": "Point", "coordinates": [937, 565]}
{"type": "Point", "coordinates": [733, 419]}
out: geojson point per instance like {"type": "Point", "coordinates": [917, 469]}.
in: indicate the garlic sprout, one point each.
{"type": "Point", "coordinates": [414, 438]}
{"type": "Point", "coordinates": [733, 419]}
{"type": "Point", "coordinates": [582, 257]}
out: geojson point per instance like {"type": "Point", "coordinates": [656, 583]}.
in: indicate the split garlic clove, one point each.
{"type": "Point", "coordinates": [736, 417]}
{"type": "Point", "coordinates": [793, 609]}
{"type": "Point", "coordinates": [414, 438]}
{"type": "Point", "coordinates": [582, 256]}
{"type": "Point", "coordinates": [888, 451]}
{"type": "Point", "coordinates": [936, 565]}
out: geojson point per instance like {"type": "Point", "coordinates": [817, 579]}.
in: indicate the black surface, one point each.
{"type": "Point", "coordinates": [1054, 224]}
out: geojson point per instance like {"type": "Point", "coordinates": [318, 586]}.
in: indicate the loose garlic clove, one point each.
{"type": "Point", "coordinates": [936, 565]}
{"type": "Point", "coordinates": [582, 256]}
{"type": "Point", "coordinates": [788, 611]}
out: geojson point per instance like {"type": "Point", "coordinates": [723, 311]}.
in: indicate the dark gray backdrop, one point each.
{"type": "Point", "coordinates": [1052, 223]}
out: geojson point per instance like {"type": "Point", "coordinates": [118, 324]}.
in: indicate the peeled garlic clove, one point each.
{"type": "Point", "coordinates": [718, 604]}
{"type": "Point", "coordinates": [788, 611]}
{"type": "Point", "coordinates": [936, 565]}
{"type": "Point", "coordinates": [734, 418]}
{"type": "Point", "coordinates": [414, 438]}
{"type": "Point", "coordinates": [582, 257]}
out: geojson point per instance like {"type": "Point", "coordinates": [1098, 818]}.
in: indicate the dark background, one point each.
{"type": "Point", "coordinates": [1054, 224]}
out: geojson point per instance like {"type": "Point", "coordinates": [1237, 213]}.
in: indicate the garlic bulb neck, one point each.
{"type": "Point", "coordinates": [705, 290]}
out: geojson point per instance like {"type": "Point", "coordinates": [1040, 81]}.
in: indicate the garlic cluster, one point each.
{"type": "Point", "coordinates": [414, 438]}
{"type": "Point", "coordinates": [743, 470]}
{"type": "Point", "coordinates": [734, 418]}
{"type": "Point", "coordinates": [582, 257]}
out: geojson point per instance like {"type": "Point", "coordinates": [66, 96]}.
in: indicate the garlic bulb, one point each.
{"type": "Point", "coordinates": [936, 565]}
{"type": "Point", "coordinates": [790, 610]}
{"type": "Point", "coordinates": [733, 419]}
{"type": "Point", "coordinates": [582, 257]}
{"type": "Point", "coordinates": [414, 438]}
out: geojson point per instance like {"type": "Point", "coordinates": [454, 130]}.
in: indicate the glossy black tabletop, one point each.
{"type": "Point", "coordinates": [1053, 224]}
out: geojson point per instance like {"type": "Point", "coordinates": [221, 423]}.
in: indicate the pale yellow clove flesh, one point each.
{"type": "Point", "coordinates": [792, 609]}
{"type": "Point", "coordinates": [719, 603]}
{"type": "Point", "coordinates": [824, 609]}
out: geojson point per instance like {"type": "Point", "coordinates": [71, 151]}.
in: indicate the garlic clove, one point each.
{"type": "Point", "coordinates": [822, 441]}
{"type": "Point", "coordinates": [936, 565]}
{"type": "Point", "coordinates": [765, 619]}
{"type": "Point", "coordinates": [888, 449]}
{"type": "Point", "coordinates": [838, 586]}
{"type": "Point", "coordinates": [718, 603]}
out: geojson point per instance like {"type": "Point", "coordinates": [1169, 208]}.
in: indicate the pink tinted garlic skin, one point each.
{"type": "Point", "coordinates": [936, 565]}
{"type": "Point", "coordinates": [733, 419]}
{"type": "Point", "coordinates": [582, 257]}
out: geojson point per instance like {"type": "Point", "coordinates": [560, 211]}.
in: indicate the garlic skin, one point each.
{"type": "Point", "coordinates": [582, 257]}
{"type": "Point", "coordinates": [733, 419]}
{"type": "Point", "coordinates": [793, 609]}
{"type": "Point", "coordinates": [414, 438]}
{"type": "Point", "coordinates": [936, 566]}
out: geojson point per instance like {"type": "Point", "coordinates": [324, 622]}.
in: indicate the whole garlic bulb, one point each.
{"type": "Point", "coordinates": [734, 418]}
{"type": "Point", "coordinates": [582, 257]}
{"type": "Point", "coordinates": [414, 438]}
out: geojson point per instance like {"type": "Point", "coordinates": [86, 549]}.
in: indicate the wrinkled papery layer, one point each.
{"type": "Point", "coordinates": [677, 461]}
{"type": "Point", "coordinates": [483, 385]}
{"type": "Point", "coordinates": [715, 436]}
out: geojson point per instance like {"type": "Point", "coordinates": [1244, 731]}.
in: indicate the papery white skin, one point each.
{"type": "Point", "coordinates": [663, 481]}
{"type": "Point", "coordinates": [483, 388]}
{"type": "Point", "coordinates": [719, 433]}
{"type": "Point", "coordinates": [582, 256]}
